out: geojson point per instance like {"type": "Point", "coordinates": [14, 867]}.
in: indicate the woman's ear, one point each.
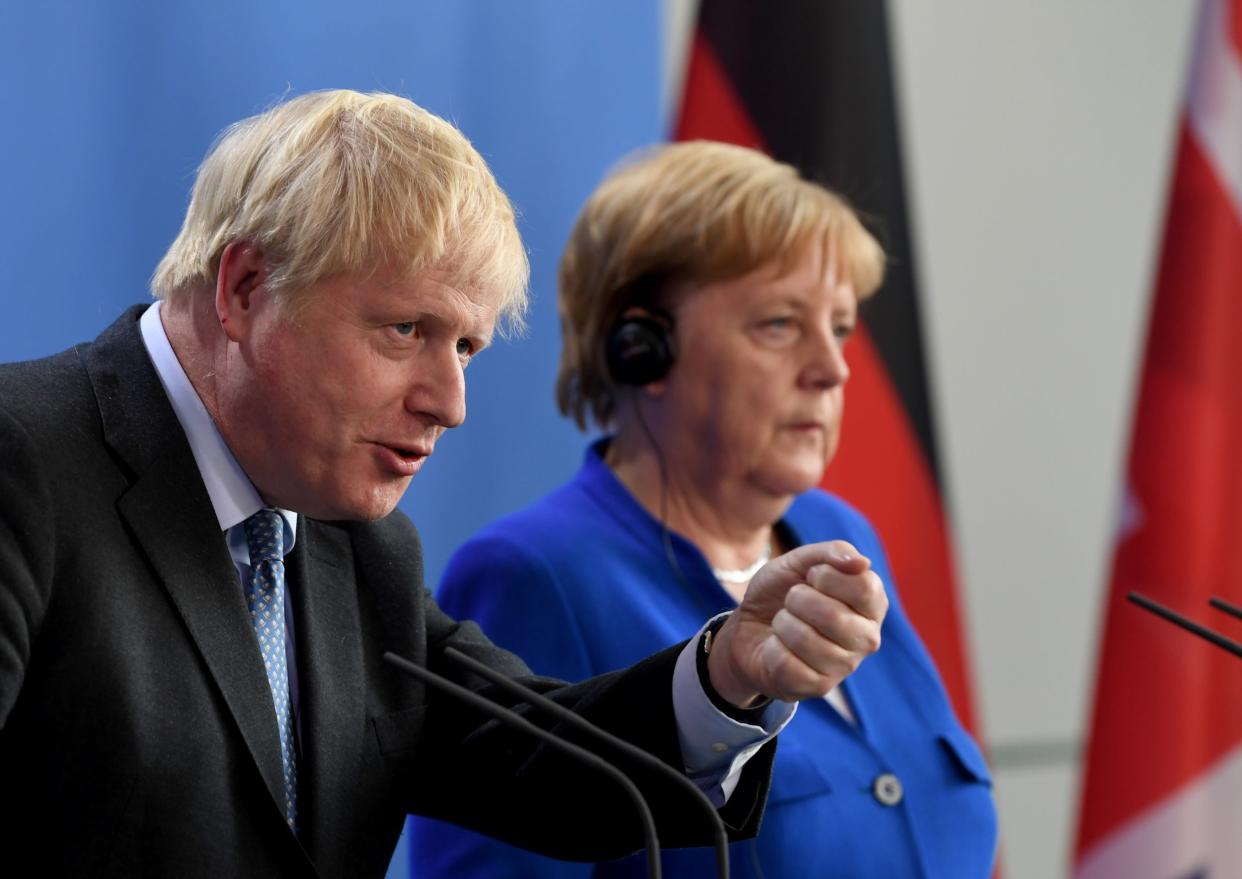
{"type": "Point", "coordinates": [641, 349]}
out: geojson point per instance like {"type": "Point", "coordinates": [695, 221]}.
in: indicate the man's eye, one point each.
{"type": "Point", "coordinates": [405, 328]}
{"type": "Point", "coordinates": [464, 348]}
{"type": "Point", "coordinates": [843, 331]}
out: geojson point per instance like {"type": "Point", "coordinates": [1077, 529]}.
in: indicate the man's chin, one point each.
{"type": "Point", "coordinates": [369, 508]}
{"type": "Point", "coordinates": [378, 508]}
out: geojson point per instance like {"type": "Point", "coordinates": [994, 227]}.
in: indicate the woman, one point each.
{"type": "Point", "coordinates": [706, 295]}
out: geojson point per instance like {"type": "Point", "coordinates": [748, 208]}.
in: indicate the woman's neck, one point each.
{"type": "Point", "coordinates": [729, 520]}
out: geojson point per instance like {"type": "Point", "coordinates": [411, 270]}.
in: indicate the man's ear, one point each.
{"type": "Point", "coordinates": [241, 276]}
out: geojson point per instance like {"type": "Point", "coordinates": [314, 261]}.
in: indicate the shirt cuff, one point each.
{"type": "Point", "coordinates": [714, 746]}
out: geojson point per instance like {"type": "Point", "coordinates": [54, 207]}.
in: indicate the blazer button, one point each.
{"type": "Point", "coordinates": [887, 789]}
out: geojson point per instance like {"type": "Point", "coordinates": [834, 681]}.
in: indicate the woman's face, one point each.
{"type": "Point", "coordinates": [757, 391]}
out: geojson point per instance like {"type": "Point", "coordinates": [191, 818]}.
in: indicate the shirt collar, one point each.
{"type": "Point", "coordinates": [233, 496]}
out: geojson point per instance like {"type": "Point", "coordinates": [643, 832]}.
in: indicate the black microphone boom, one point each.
{"type": "Point", "coordinates": [509, 717]}
{"type": "Point", "coordinates": [1220, 604]}
{"type": "Point", "coordinates": [1190, 625]}
{"type": "Point", "coordinates": [560, 712]}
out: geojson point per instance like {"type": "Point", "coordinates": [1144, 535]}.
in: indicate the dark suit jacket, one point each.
{"type": "Point", "coordinates": [137, 734]}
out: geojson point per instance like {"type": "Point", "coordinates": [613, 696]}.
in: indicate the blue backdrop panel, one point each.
{"type": "Point", "coordinates": [109, 107]}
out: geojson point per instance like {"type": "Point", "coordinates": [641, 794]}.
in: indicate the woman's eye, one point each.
{"type": "Point", "coordinates": [843, 331]}
{"type": "Point", "coordinates": [778, 329]}
{"type": "Point", "coordinates": [464, 348]}
{"type": "Point", "coordinates": [778, 323]}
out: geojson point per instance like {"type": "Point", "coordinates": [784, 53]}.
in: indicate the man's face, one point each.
{"type": "Point", "coordinates": [331, 414]}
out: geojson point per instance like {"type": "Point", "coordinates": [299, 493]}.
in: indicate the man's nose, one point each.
{"type": "Point", "coordinates": [438, 390]}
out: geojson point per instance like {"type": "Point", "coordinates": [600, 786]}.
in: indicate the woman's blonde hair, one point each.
{"type": "Point", "coordinates": [339, 182]}
{"type": "Point", "coordinates": [687, 214]}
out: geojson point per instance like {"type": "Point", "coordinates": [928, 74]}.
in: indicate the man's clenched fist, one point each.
{"type": "Point", "coordinates": [808, 619]}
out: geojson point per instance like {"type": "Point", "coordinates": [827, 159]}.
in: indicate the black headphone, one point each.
{"type": "Point", "coordinates": [640, 348]}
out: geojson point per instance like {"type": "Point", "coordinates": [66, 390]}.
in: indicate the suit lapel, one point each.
{"type": "Point", "coordinates": [330, 679]}
{"type": "Point", "coordinates": [171, 516]}
{"type": "Point", "coordinates": [176, 528]}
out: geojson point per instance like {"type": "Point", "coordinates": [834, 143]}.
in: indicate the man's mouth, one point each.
{"type": "Point", "coordinates": [402, 460]}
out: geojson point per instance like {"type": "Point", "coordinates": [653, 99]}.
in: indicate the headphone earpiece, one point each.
{"type": "Point", "coordinates": [640, 349]}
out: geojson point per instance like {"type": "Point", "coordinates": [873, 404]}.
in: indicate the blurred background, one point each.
{"type": "Point", "coordinates": [1037, 142]}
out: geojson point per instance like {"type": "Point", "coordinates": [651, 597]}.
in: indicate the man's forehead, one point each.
{"type": "Point", "coordinates": [454, 298]}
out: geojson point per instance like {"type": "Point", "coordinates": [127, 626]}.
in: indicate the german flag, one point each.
{"type": "Point", "coordinates": [811, 84]}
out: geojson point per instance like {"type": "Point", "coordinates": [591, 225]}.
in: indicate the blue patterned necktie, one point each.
{"type": "Point", "coordinates": [265, 596]}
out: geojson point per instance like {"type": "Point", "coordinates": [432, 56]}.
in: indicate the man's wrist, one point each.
{"type": "Point", "coordinates": [702, 651]}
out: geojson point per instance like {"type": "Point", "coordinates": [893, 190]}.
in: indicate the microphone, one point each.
{"type": "Point", "coordinates": [560, 712]}
{"type": "Point", "coordinates": [511, 718]}
{"type": "Point", "coordinates": [1220, 604]}
{"type": "Point", "coordinates": [1190, 625]}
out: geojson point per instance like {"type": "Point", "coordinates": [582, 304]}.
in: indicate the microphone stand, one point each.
{"type": "Point", "coordinates": [507, 716]}
{"type": "Point", "coordinates": [1190, 625]}
{"type": "Point", "coordinates": [560, 712]}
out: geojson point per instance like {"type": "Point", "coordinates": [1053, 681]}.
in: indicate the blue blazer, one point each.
{"type": "Point", "coordinates": [580, 583]}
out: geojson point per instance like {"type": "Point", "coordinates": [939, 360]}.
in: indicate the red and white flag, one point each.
{"type": "Point", "coordinates": [1162, 795]}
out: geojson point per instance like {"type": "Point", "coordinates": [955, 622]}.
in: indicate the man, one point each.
{"type": "Point", "coordinates": [200, 568]}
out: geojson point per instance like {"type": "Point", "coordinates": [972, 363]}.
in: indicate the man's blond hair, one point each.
{"type": "Point", "coordinates": [343, 183]}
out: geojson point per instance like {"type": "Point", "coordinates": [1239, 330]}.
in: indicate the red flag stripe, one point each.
{"type": "Point", "coordinates": [710, 109]}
